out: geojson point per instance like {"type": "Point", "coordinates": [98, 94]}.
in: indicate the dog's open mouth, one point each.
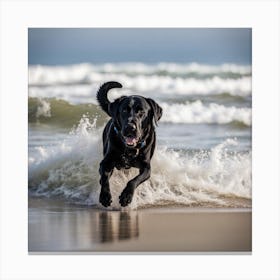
{"type": "Point", "coordinates": [131, 141]}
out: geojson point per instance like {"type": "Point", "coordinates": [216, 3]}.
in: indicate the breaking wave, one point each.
{"type": "Point", "coordinates": [82, 81]}
{"type": "Point", "coordinates": [63, 113]}
{"type": "Point", "coordinates": [196, 112]}
{"type": "Point", "coordinates": [85, 72]}
{"type": "Point", "coordinates": [69, 170]}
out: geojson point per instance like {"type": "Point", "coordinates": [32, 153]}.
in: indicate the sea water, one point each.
{"type": "Point", "coordinates": [203, 153]}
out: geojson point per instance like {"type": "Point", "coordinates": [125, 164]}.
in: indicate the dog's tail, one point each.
{"type": "Point", "coordinates": [102, 94]}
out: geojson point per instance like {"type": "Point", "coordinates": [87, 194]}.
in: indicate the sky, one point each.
{"type": "Point", "coordinates": [62, 46]}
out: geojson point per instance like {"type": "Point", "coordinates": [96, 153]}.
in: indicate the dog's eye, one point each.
{"type": "Point", "coordinates": [124, 110]}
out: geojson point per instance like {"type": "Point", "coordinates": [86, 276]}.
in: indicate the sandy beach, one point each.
{"type": "Point", "coordinates": [54, 226]}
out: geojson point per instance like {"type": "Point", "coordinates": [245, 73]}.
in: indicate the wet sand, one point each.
{"type": "Point", "coordinates": [57, 227]}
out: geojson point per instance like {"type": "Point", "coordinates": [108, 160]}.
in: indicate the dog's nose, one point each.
{"type": "Point", "coordinates": [130, 129]}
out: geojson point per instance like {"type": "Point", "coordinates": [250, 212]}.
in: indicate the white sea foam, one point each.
{"type": "Point", "coordinates": [145, 79]}
{"type": "Point", "coordinates": [202, 178]}
{"type": "Point", "coordinates": [197, 112]}
{"type": "Point", "coordinates": [172, 68]}
{"type": "Point", "coordinates": [82, 72]}
{"type": "Point", "coordinates": [185, 86]}
{"type": "Point", "coordinates": [70, 170]}
{"type": "Point", "coordinates": [43, 109]}
{"type": "Point", "coordinates": [153, 86]}
{"type": "Point", "coordinates": [74, 94]}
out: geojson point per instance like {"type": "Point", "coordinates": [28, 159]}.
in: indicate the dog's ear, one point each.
{"type": "Point", "coordinates": [156, 109]}
{"type": "Point", "coordinates": [113, 107]}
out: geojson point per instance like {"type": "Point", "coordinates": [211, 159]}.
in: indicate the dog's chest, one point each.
{"type": "Point", "coordinates": [129, 158]}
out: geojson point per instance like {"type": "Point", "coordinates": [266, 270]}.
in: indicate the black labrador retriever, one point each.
{"type": "Point", "coordinates": [129, 140]}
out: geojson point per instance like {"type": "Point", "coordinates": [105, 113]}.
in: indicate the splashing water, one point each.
{"type": "Point", "coordinates": [69, 170]}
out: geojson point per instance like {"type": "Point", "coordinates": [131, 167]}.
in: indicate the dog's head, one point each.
{"type": "Point", "coordinates": [133, 116]}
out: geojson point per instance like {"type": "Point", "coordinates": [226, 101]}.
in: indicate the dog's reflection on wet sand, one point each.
{"type": "Point", "coordinates": [65, 228]}
{"type": "Point", "coordinates": [59, 228]}
{"type": "Point", "coordinates": [118, 226]}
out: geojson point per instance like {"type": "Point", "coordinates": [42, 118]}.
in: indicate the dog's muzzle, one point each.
{"type": "Point", "coordinates": [130, 135]}
{"type": "Point", "coordinates": [133, 142]}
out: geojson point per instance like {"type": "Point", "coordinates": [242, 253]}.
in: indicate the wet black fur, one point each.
{"type": "Point", "coordinates": [144, 112]}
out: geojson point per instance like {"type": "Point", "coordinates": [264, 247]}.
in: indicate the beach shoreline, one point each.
{"type": "Point", "coordinates": [57, 227]}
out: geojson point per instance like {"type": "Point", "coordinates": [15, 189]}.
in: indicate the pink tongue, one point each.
{"type": "Point", "coordinates": [130, 140]}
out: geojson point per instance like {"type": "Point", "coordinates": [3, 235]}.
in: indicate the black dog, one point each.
{"type": "Point", "coordinates": [129, 139]}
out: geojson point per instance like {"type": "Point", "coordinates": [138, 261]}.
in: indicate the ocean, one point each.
{"type": "Point", "coordinates": [203, 153]}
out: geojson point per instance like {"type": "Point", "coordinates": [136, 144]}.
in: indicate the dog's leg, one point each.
{"type": "Point", "coordinates": [127, 194]}
{"type": "Point", "coordinates": [105, 170]}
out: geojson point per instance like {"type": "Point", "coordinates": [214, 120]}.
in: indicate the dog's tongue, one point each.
{"type": "Point", "coordinates": [130, 140]}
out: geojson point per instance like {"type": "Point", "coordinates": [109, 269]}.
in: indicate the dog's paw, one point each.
{"type": "Point", "coordinates": [126, 196]}
{"type": "Point", "coordinates": [105, 198]}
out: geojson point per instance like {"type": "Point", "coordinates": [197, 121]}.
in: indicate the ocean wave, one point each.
{"type": "Point", "coordinates": [83, 80]}
{"type": "Point", "coordinates": [173, 68]}
{"type": "Point", "coordinates": [63, 113]}
{"type": "Point", "coordinates": [156, 87]}
{"type": "Point", "coordinates": [69, 170]}
{"type": "Point", "coordinates": [82, 72]}
{"type": "Point", "coordinates": [197, 112]}
{"type": "Point", "coordinates": [74, 93]}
